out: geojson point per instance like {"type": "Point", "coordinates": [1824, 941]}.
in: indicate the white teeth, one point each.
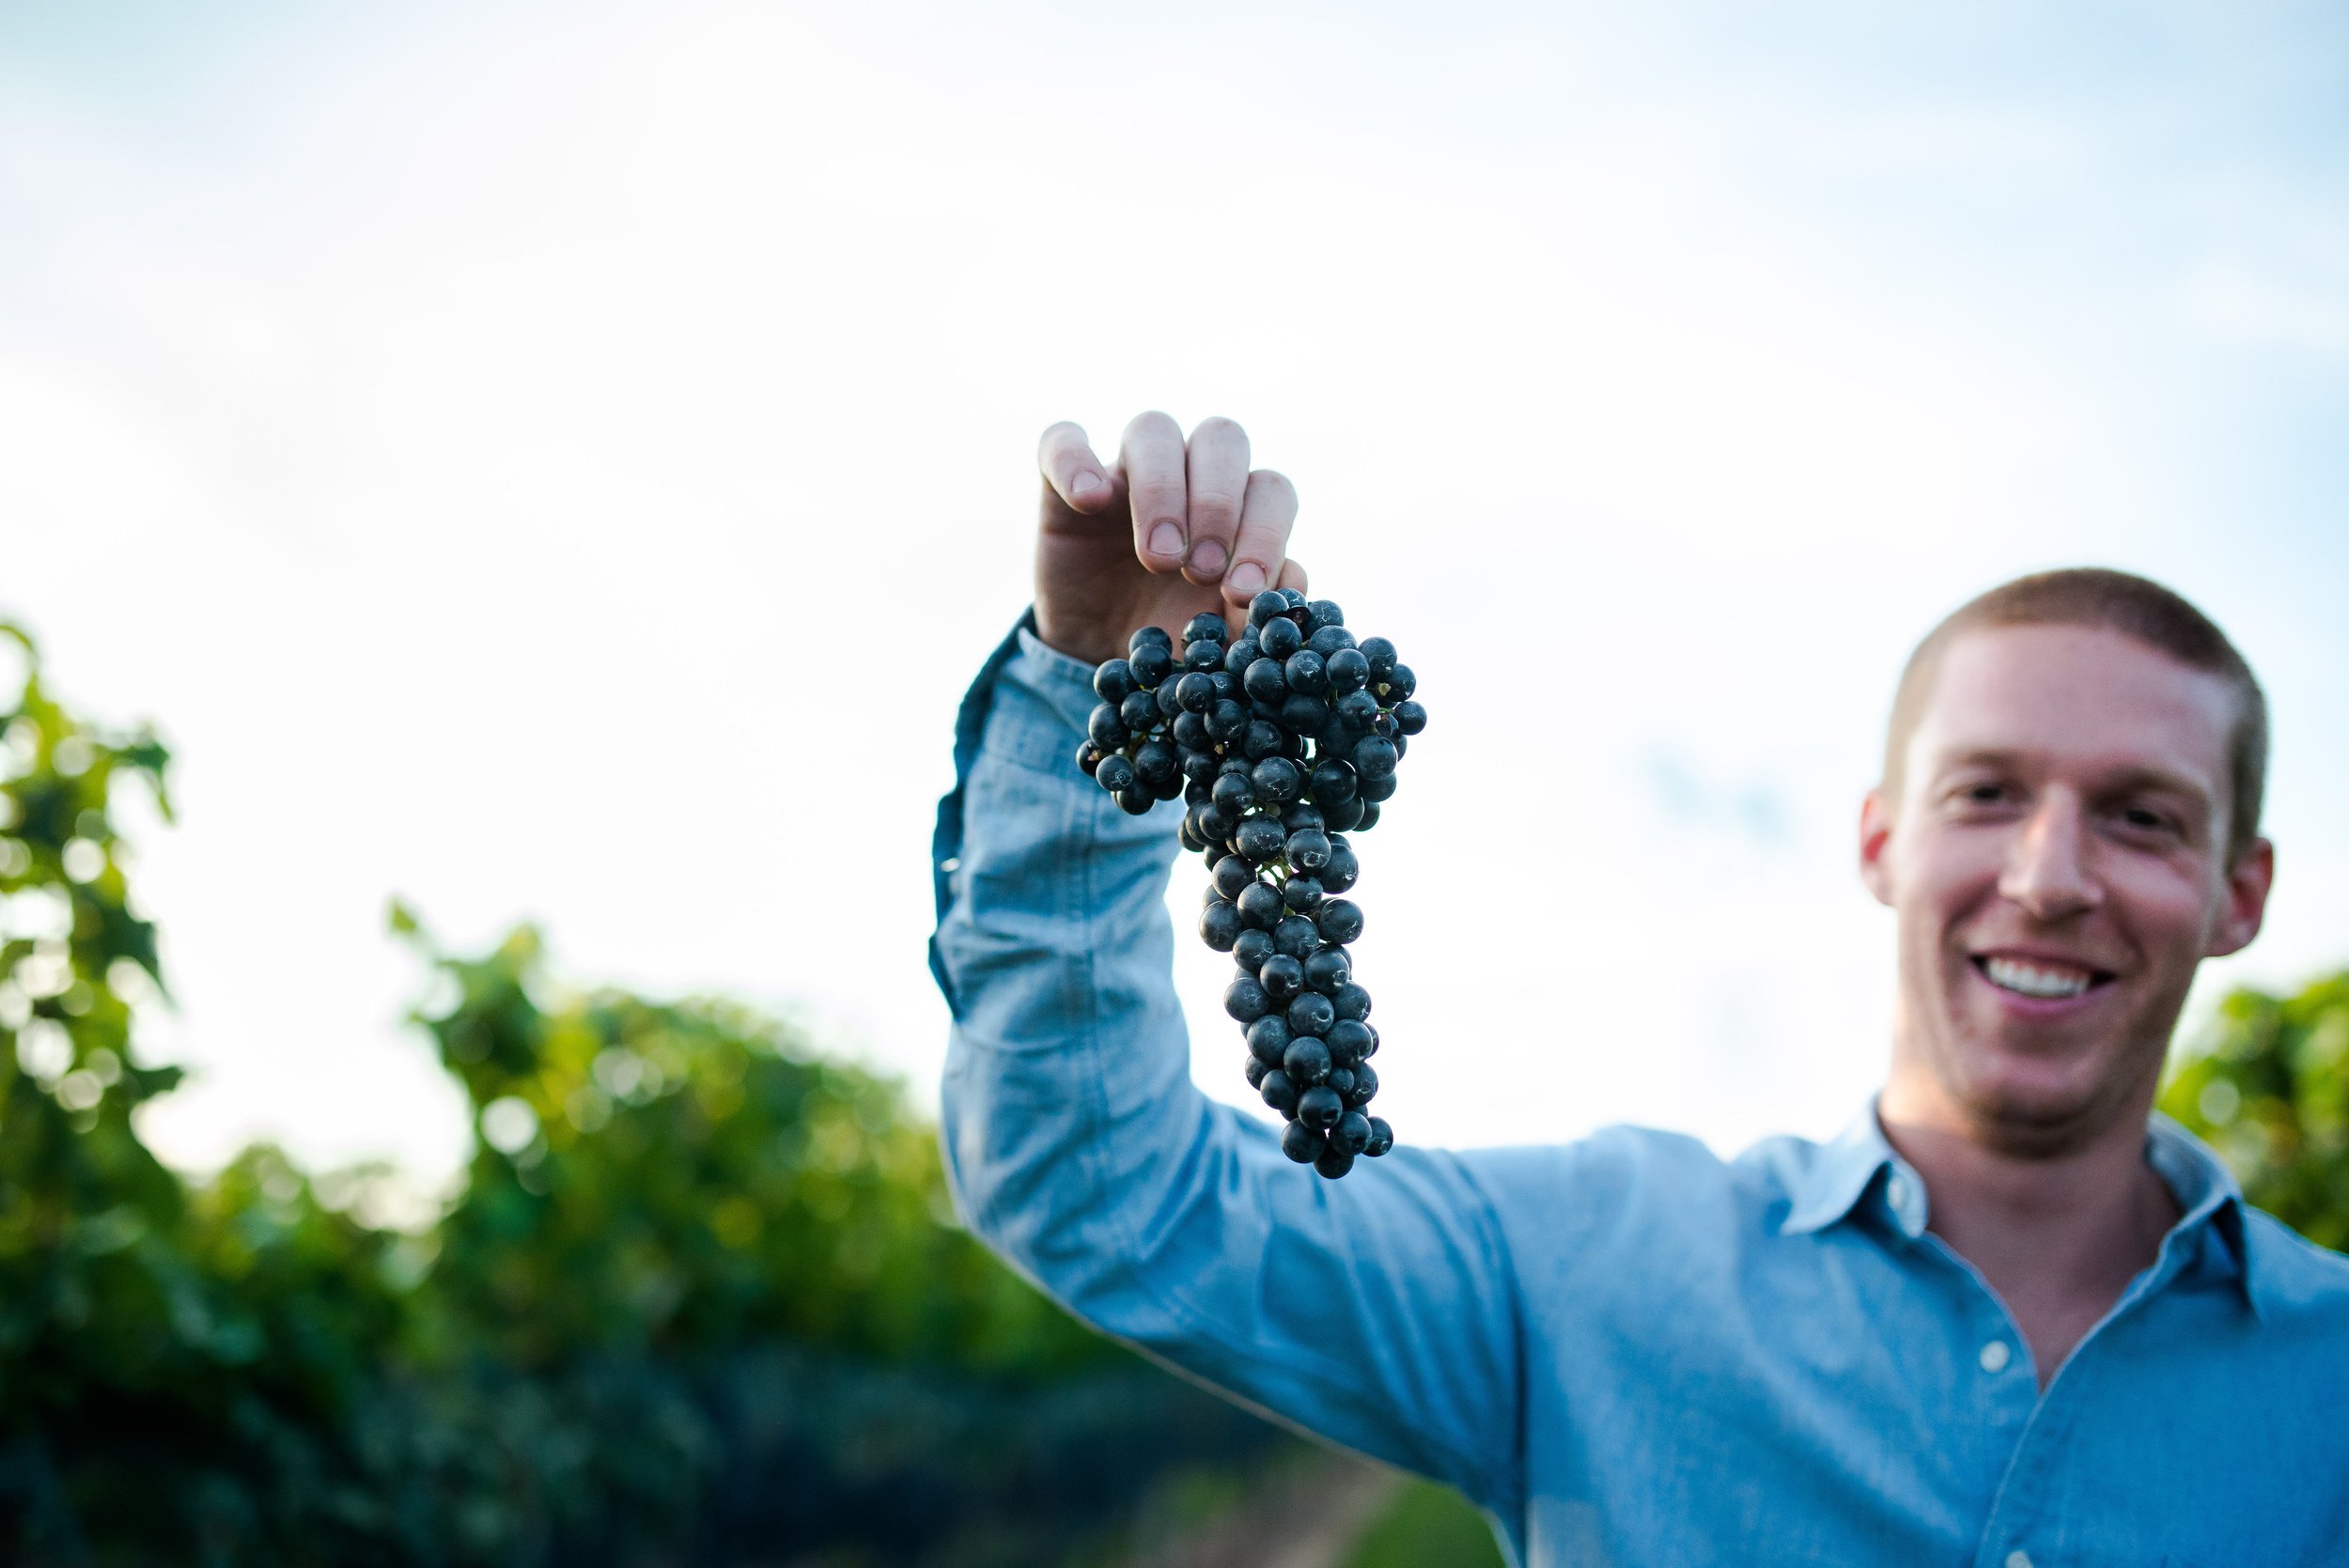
{"type": "Point", "coordinates": [2008, 975]}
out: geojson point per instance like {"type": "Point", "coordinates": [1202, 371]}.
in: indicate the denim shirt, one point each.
{"type": "Point", "coordinates": [1624, 1349]}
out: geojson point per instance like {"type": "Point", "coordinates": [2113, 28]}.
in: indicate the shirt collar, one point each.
{"type": "Point", "coordinates": [1861, 1172]}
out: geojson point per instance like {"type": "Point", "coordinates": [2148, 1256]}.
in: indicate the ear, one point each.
{"type": "Point", "coordinates": [2249, 882]}
{"type": "Point", "coordinates": [1875, 839]}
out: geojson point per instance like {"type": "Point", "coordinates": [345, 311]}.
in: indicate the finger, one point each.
{"type": "Point", "coordinates": [1262, 544]}
{"type": "Point", "coordinates": [1076, 475]}
{"type": "Point", "coordinates": [1218, 470]}
{"type": "Point", "coordinates": [1150, 459]}
{"type": "Point", "coordinates": [1293, 576]}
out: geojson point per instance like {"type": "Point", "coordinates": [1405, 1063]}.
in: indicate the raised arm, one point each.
{"type": "Point", "coordinates": [1379, 1310]}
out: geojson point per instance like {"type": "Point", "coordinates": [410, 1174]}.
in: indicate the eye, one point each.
{"type": "Point", "coordinates": [2145, 820]}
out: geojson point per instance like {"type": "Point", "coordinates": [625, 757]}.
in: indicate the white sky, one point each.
{"type": "Point", "coordinates": [565, 462]}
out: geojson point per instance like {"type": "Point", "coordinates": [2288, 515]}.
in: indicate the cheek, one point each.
{"type": "Point", "coordinates": [1943, 877]}
{"type": "Point", "coordinates": [2163, 906]}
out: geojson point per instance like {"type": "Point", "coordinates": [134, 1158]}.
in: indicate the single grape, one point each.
{"type": "Point", "coordinates": [1365, 1086]}
{"type": "Point", "coordinates": [1332, 782]}
{"type": "Point", "coordinates": [1333, 1161]}
{"type": "Point", "coordinates": [1357, 710]}
{"type": "Point", "coordinates": [1215, 824]}
{"type": "Point", "coordinates": [1308, 848]}
{"type": "Point", "coordinates": [1244, 1000]}
{"type": "Point", "coordinates": [1326, 970]}
{"type": "Point", "coordinates": [1369, 819]}
{"type": "Point", "coordinates": [1410, 718]}
{"type": "Point", "coordinates": [1155, 762]}
{"type": "Point", "coordinates": [1269, 1039]}
{"type": "Point", "coordinates": [1301, 1143]}
{"type": "Point", "coordinates": [1349, 1039]}
{"type": "Point", "coordinates": [1115, 773]}
{"type": "Point", "coordinates": [1206, 627]}
{"type": "Point", "coordinates": [1280, 638]}
{"type": "Point", "coordinates": [1301, 893]}
{"type": "Point", "coordinates": [1342, 870]}
{"type": "Point", "coordinates": [1219, 925]}
{"type": "Point", "coordinates": [1191, 732]}
{"type": "Point", "coordinates": [1136, 801]}
{"type": "Point", "coordinates": [1381, 1137]}
{"type": "Point", "coordinates": [1352, 1131]}
{"type": "Point", "coordinates": [1151, 663]}
{"type": "Point", "coordinates": [1235, 793]}
{"type": "Point", "coordinates": [1262, 738]}
{"type": "Point", "coordinates": [1296, 937]}
{"type": "Point", "coordinates": [1114, 680]}
{"type": "Point", "coordinates": [1277, 781]}
{"type": "Point", "coordinates": [1253, 947]}
{"type": "Point", "coordinates": [1259, 905]}
{"type": "Point", "coordinates": [1279, 1092]}
{"type": "Point", "coordinates": [1330, 640]}
{"type": "Point", "coordinates": [1378, 654]}
{"type": "Point", "coordinates": [1341, 1080]}
{"type": "Point", "coordinates": [1260, 839]}
{"type": "Point", "coordinates": [1155, 635]}
{"type": "Point", "coordinates": [1309, 1014]}
{"type": "Point", "coordinates": [1255, 1071]}
{"type": "Point", "coordinates": [1106, 730]}
{"type": "Point", "coordinates": [1195, 691]}
{"type": "Point", "coordinates": [1303, 715]}
{"type": "Point", "coordinates": [1240, 655]}
{"type": "Point", "coordinates": [1226, 721]}
{"type": "Point", "coordinates": [1307, 1060]}
{"type": "Point", "coordinates": [1374, 759]}
{"type": "Point", "coordinates": [1347, 814]}
{"type": "Point", "coordinates": [1399, 684]}
{"type": "Point", "coordinates": [1139, 713]}
{"type": "Point", "coordinates": [1378, 792]}
{"type": "Point", "coordinates": [1318, 1107]}
{"type": "Point", "coordinates": [1305, 673]}
{"type": "Point", "coordinates": [1263, 681]}
{"type": "Point", "coordinates": [1231, 875]}
{"type": "Point", "coordinates": [1265, 606]}
{"type": "Point", "coordinates": [1347, 669]}
{"type": "Point", "coordinates": [1088, 759]}
{"type": "Point", "coordinates": [1281, 977]}
{"type": "Point", "coordinates": [1351, 1001]}
{"type": "Point", "coordinates": [1202, 657]}
{"type": "Point", "coordinates": [1341, 920]}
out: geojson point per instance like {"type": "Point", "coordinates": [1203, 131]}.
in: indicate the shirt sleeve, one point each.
{"type": "Point", "coordinates": [1379, 1310]}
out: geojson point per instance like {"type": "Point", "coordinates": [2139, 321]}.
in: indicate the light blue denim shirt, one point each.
{"type": "Point", "coordinates": [1625, 1349]}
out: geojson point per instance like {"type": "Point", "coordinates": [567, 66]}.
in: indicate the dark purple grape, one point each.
{"type": "Point", "coordinates": [1380, 654]}
{"type": "Point", "coordinates": [1106, 730]}
{"type": "Point", "coordinates": [1239, 655]}
{"type": "Point", "coordinates": [1381, 1137]}
{"type": "Point", "coordinates": [1277, 780]}
{"type": "Point", "coordinates": [1309, 1014]}
{"type": "Point", "coordinates": [1341, 871]}
{"type": "Point", "coordinates": [1329, 639]}
{"type": "Point", "coordinates": [1196, 693]}
{"type": "Point", "coordinates": [1255, 1071]}
{"type": "Point", "coordinates": [1139, 713]}
{"type": "Point", "coordinates": [1327, 970]}
{"type": "Point", "coordinates": [1305, 673]}
{"type": "Point", "coordinates": [1306, 1060]}
{"type": "Point", "coordinates": [1369, 819]}
{"type": "Point", "coordinates": [1233, 793]}
{"type": "Point", "coordinates": [1399, 684]}
{"type": "Point", "coordinates": [1113, 680]}
{"type": "Point", "coordinates": [1319, 1107]}
{"type": "Point", "coordinates": [1259, 905]}
{"type": "Point", "coordinates": [1231, 875]}
{"type": "Point", "coordinates": [1346, 816]}
{"type": "Point", "coordinates": [1206, 627]}
{"type": "Point", "coordinates": [1301, 1143]}
{"type": "Point", "coordinates": [1281, 977]}
{"type": "Point", "coordinates": [1262, 738]}
{"type": "Point", "coordinates": [1301, 893]}
{"type": "Point", "coordinates": [1374, 759]}
{"type": "Point", "coordinates": [1153, 634]}
{"type": "Point", "coordinates": [1265, 606]}
{"type": "Point", "coordinates": [1219, 925]}
{"type": "Point", "coordinates": [1301, 818]}
{"type": "Point", "coordinates": [1333, 1161]}
{"type": "Point", "coordinates": [1347, 670]}
{"type": "Point", "coordinates": [1349, 1039]}
{"type": "Point", "coordinates": [1151, 664]}
{"type": "Point", "coordinates": [1308, 850]}
{"type": "Point", "coordinates": [1244, 1000]}
{"type": "Point", "coordinates": [1191, 732]}
{"type": "Point", "coordinates": [1251, 950]}
{"type": "Point", "coordinates": [1410, 718]}
{"type": "Point", "coordinates": [1332, 782]}
{"type": "Point", "coordinates": [1269, 1039]}
{"type": "Point", "coordinates": [1260, 838]}
{"type": "Point", "coordinates": [1279, 639]}
{"type": "Point", "coordinates": [1115, 773]}
{"type": "Point", "coordinates": [1341, 1080]}
{"type": "Point", "coordinates": [1351, 1001]}
{"type": "Point", "coordinates": [1264, 682]}
{"type": "Point", "coordinates": [1226, 721]}
{"type": "Point", "coordinates": [1365, 1086]}
{"type": "Point", "coordinates": [1279, 1092]}
{"type": "Point", "coordinates": [1088, 758]}
{"type": "Point", "coordinates": [1340, 920]}
{"type": "Point", "coordinates": [1296, 937]}
{"type": "Point", "coordinates": [1136, 801]}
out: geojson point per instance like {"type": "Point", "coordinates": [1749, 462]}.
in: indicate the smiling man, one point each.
{"type": "Point", "coordinates": [2009, 1319]}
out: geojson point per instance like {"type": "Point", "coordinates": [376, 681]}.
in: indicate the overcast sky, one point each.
{"type": "Point", "coordinates": [564, 463]}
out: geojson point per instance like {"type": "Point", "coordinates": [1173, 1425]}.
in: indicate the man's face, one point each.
{"type": "Point", "coordinates": [2058, 862]}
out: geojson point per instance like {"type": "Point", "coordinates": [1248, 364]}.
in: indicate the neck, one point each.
{"type": "Point", "coordinates": [2057, 1233]}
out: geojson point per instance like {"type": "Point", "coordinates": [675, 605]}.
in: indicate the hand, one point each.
{"type": "Point", "coordinates": [1168, 532]}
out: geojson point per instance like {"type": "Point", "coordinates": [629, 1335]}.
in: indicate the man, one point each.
{"type": "Point", "coordinates": [2009, 1318]}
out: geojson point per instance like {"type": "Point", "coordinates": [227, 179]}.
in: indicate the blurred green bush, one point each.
{"type": "Point", "coordinates": [701, 1299]}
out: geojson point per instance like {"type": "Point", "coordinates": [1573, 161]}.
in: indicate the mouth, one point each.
{"type": "Point", "coordinates": [2040, 979]}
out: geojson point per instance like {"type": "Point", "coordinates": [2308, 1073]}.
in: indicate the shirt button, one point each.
{"type": "Point", "coordinates": [2019, 1560]}
{"type": "Point", "coordinates": [1993, 1359]}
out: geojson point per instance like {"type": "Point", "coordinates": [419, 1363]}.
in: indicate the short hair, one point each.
{"type": "Point", "coordinates": [2097, 597]}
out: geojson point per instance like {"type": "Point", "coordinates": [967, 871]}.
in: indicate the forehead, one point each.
{"type": "Point", "coordinates": [2082, 698]}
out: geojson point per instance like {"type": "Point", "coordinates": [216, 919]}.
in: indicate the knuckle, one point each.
{"type": "Point", "coordinates": [1216, 427]}
{"type": "Point", "coordinates": [1272, 485]}
{"type": "Point", "coordinates": [1214, 508]}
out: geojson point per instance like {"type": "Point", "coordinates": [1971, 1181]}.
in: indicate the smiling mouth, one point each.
{"type": "Point", "coordinates": [2040, 980]}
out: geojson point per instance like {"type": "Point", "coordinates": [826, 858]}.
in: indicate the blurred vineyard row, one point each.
{"type": "Point", "coordinates": [701, 1299]}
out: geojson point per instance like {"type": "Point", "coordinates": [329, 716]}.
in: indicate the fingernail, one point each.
{"type": "Point", "coordinates": [1247, 578]}
{"type": "Point", "coordinates": [1084, 484]}
{"type": "Point", "coordinates": [1166, 539]}
{"type": "Point", "coordinates": [1208, 559]}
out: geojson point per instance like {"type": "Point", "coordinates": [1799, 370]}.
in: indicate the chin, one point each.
{"type": "Point", "coordinates": [2033, 1103]}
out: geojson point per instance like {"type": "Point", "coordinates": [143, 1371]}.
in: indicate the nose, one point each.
{"type": "Point", "coordinates": [2046, 870]}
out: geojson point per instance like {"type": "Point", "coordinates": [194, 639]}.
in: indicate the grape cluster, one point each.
{"type": "Point", "coordinates": [1280, 742]}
